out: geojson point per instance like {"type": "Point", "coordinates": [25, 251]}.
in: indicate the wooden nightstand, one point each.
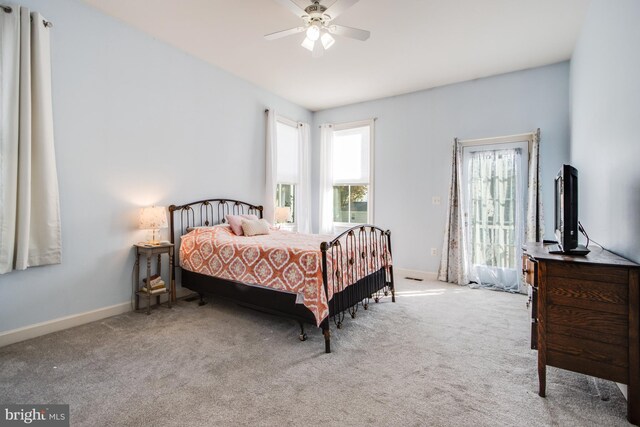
{"type": "Point", "coordinates": [150, 251]}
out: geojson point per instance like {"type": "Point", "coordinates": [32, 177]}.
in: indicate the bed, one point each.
{"type": "Point", "coordinates": [312, 279]}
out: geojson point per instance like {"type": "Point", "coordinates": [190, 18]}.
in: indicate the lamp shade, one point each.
{"type": "Point", "coordinates": [153, 218]}
{"type": "Point", "coordinates": [327, 40]}
{"type": "Point", "coordinates": [283, 214]}
{"type": "Point", "coordinates": [308, 44]}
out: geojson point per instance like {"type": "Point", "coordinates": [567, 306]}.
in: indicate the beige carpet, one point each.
{"type": "Point", "coordinates": [442, 355]}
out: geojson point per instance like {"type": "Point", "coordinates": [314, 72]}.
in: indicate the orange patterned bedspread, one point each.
{"type": "Point", "coordinates": [282, 260]}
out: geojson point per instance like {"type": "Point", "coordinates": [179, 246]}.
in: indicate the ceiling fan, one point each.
{"type": "Point", "coordinates": [317, 25]}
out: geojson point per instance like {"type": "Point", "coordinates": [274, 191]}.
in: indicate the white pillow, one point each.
{"type": "Point", "coordinates": [235, 221]}
{"type": "Point", "coordinates": [255, 227]}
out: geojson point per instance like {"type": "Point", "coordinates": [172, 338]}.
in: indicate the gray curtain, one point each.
{"type": "Point", "coordinates": [453, 264]}
{"type": "Point", "coordinates": [534, 230]}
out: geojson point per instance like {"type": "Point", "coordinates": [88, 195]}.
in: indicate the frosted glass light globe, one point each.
{"type": "Point", "coordinates": [313, 32]}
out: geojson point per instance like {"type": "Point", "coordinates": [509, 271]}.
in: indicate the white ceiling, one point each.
{"type": "Point", "coordinates": [414, 44]}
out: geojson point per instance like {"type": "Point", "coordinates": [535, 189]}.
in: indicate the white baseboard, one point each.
{"type": "Point", "coordinates": [424, 275]}
{"type": "Point", "coordinates": [623, 389]}
{"type": "Point", "coordinates": [55, 325]}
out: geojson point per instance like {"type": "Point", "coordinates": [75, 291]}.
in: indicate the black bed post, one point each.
{"type": "Point", "coordinates": [172, 285]}
{"type": "Point", "coordinates": [325, 323]}
{"type": "Point", "coordinates": [393, 288]}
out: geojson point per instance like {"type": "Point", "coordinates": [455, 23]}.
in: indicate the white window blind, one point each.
{"type": "Point", "coordinates": [351, 155]}
{"type": "Point", "coordinates": [288, 153]}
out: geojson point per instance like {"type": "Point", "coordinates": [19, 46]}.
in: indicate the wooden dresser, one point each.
{"type": "Point", "coordinates": [585, 316]}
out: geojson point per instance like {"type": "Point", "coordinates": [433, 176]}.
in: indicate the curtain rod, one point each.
{"type": "Point", "coordinates": [298, 124]}
{"type": "Point", "coordinates": [47, 24]}
{"type": "Point", "coordinates": [529, 136]}
{"type": "Point", "coordinates": [375, 119]}
{"type": "Point", "coordinates": [9, 9]}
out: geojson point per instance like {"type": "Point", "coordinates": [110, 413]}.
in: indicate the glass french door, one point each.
{"type": "Point", "coordinates": [494, 191]}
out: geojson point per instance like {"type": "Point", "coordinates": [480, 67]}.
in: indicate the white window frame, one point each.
{"type": "Point", "coordinates": [370, 203]}
{"type": "Point", "coordinates": [293, 226]}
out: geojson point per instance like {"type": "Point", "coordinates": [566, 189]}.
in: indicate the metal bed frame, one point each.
{"type": "Point", "coordinates": [368, 239]}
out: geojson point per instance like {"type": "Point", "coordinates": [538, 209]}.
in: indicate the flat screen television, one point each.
{"type": "Point", "coordinates": [566, 213]}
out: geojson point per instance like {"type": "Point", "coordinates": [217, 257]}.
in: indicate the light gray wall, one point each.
{"type": "Point", "coordinates": [413, 143]}
{"type": "Point", "coordinates": [605, 102]}
{"type": "Point", "coordinates": [136, 123]}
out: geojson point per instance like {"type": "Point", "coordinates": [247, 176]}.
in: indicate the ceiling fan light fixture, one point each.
{"type": "Point", "coordinates": [308, 44]}
{"type": "Point", "coordinates": [317, 24]}
{"type": "Point", "coordinates": [327, 40]}
{"type": "Point", "coordinates": [313, 32]}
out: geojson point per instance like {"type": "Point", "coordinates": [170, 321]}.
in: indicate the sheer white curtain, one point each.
{"type": "Point", "coordinates": [303, 196]}
{"type": "Point", "coordinates": [495, 195]}
{"type": "Point", "coordinates": [326, 179]}
{"type": "Point", "coordinates": [29, 202]}
{"type": "Point", "coordinates": [271, 168]}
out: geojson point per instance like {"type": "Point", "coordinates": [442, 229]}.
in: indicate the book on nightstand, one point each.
{"type": "Point", "coordinates": [153, 279]}
{"type": "Point", "coordinates": [156, 288]}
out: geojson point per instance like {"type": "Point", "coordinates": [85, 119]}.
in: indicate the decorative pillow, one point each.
{"type": "Point", "coordinates": [235, 221]}
{"type": "Point", "coordinates": [255, 227]}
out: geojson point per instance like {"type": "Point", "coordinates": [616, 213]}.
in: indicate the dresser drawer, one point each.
{"type": "Point", "coordinates": [529, 271]}
{"type": "Point", "coordinates": [529, 277]}
{"type": "Point", "coordinates": [608, 297]}
{"type": "Point", "coordinates": [533, 306]}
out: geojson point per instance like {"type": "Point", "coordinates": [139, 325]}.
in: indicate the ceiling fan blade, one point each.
{"type": "Point", "coordinates": [354, 33]}
{"type": "Point", "coordinates": [318, 50]}
{"type": "Point", "coordinates": [338, 7]}
{"type": "Point", "coordinates": [284, 33]}
{"type": "Point", "coordinates": [294, 8]}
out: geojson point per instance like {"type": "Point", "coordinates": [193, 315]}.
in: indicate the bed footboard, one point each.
{"type": "Point", "coordinates": [356, 267]}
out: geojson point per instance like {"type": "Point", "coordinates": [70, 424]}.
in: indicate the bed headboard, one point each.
{"type": "Point", "coordinates": [205, 213]}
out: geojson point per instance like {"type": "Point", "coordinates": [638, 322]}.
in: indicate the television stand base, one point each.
{"type": "Point", "coordinates": [581, 250]}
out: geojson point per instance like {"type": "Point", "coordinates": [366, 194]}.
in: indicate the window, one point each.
{"type": "Point", "coordinates": [288, 173]}
{"type": "Point", "coordinates": [351, 171]}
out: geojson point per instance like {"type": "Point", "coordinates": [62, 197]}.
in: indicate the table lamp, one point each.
{"type": "Point", "coordinates": [283, 214]}
{"type": "Point", "coordinates": [153, 218]}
